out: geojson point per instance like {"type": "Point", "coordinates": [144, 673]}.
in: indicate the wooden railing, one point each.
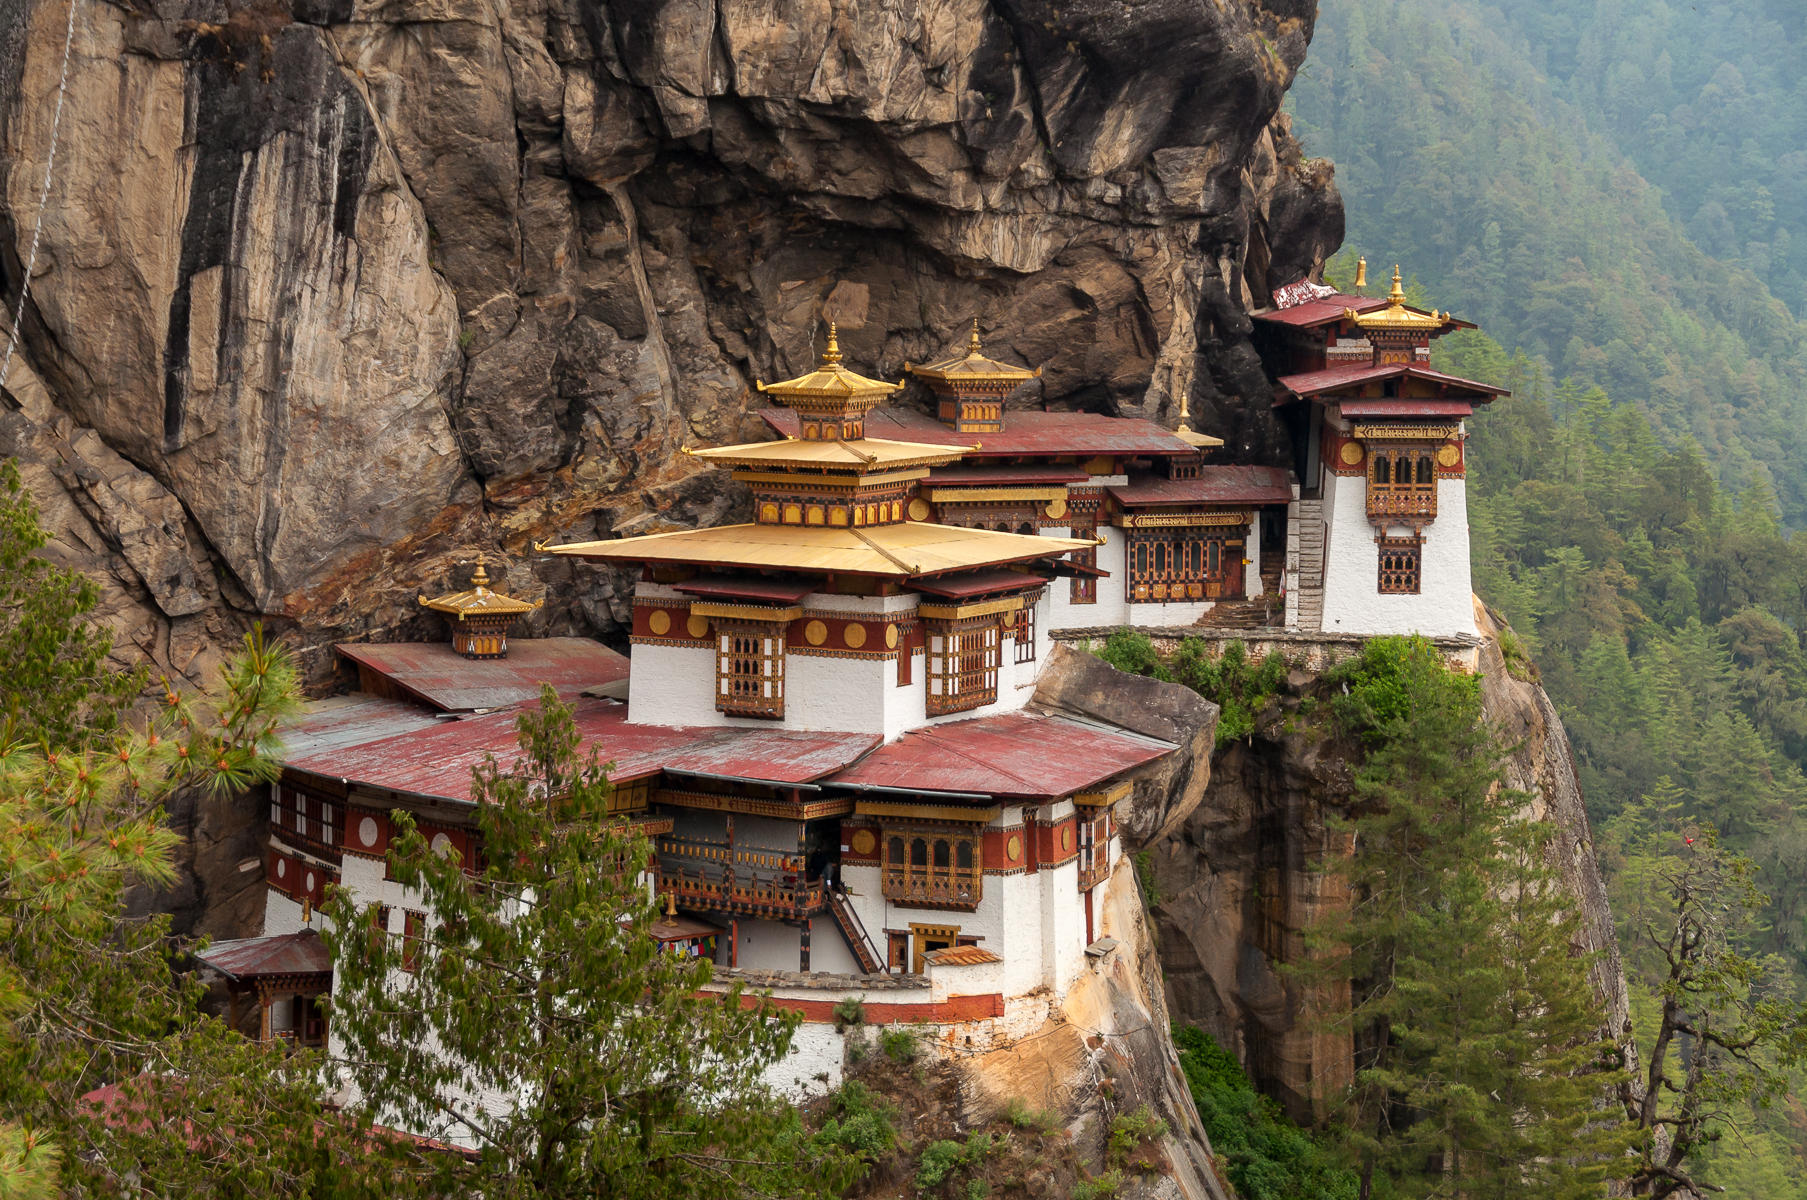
{"type": "Point", "coordinates": [742, 896]}
{"type": "Point", "coordinates": [1094, 868]}
{"type": "Point", "coordinates": [934, 888]}
{"type": "Point", "coordinates": [721, 854]}
{"type": "Point", "coordinates": [1396, 501]}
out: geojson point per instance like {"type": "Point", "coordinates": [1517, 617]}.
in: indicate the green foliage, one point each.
{"type": "Point", "coordinates": [850, 1010]}
{"type": "Point", "coordinates": [1021, 1116]}
{"type": "Point", "coordinates": [1480, 1062]}
{"type": "Point", "coordinates": [1238, 685]}
{"type": "Point", "coordinates": [941, 1161]}
{"type": "Point", "coordinates": [900, 1045]}
{"type": "Point", "coordinates": [538, 978]}
{"type": "Point", "coordinates": [1101, 1187]}
{"type": "Point", "coordinates": [859, 1123]}
{"type": "Point", "coordinates": [58, 687]}
{"type": "Point", "coordinates": [1264, 1155]}
{"type": "Point", "coordinates": [1145, 878]}
{"type": "Point", "coordinates": [1130, 1131]}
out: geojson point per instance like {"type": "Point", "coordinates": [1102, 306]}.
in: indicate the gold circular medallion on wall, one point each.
{"type": "Point", "coordinates": [1351, 453]}
{"type": "Point", "coordinates": [1066, 837]}
{"type": "Point", "coordinates": [659, 622]}
{"type": "Point", "coordinates": [1449, 455]}
{"type": "Point", "coordinates": [1013, 849]}
{"type": "Point", "coordinates": [919, 509]}
{"type": "Point", "coordinates": [864, 842]}
{"type": "Point", "coordinates": [698, 626]}
{"type": "Point", "coordinates": [854, 635]}
{"type": "Point", "coordinates": [815, 633]}
{"type": "Point", "coordinates": [890, 637]}
{"type": "Point", "coordinates": [1056, 509]}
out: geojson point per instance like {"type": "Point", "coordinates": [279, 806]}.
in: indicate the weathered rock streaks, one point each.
{"type": "Point", "coordinates": [341, 290]}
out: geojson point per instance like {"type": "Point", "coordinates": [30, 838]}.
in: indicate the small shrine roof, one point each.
{"type": "Point", "coordinates": [973, 365]}
{"type": "Point", "coordinates": [1003, 475]}
{"type": "Point", "coordinates": [830, 380]}
{"type": "Point", "coordinates": [862, 454]}
{"type": "Point", "coordinates": [1013, 755]}
{"type": "Point", "coordinates": [300, 953]}
{"type": "Point", "coordinates": [436, 760]}
{"type": "Point", "coordinates": [1027, 432]}
{"type": "Point", "coordinates": [979, 583]}
{"type": "Point", "coordinates": [890, 551]}
{"type": "Point", "coordinates": [1399, 317]}
{"type": "Point", "coordinates": [678, 927]}
{"type": "Point", "coordinates": [1215, 485]}
{"type": "Point", "coordinates": [438, 675]}
{"type": "Point", "coordinates": [478, 599]}
{"type": "Point", "coordinates": [963, 956]}
{"type": "Point", "coordinates": [1348, 375]}
{"type": "Point", "coordinates": [749, 587]}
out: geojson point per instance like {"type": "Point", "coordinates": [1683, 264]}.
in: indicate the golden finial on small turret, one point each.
{"type": "Point", "coordinates": [480, 577]}
{"type": "Point", "coordinates": [832, 353]}
{"type": "Point", "coordinates": [1396, 297]}
{"type": "Point", "coordinates": [1361, 273]}
{"type": "Point", "coordinates": [972, 343]}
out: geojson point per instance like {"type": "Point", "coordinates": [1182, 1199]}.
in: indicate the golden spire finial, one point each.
{"type": "Point", "coordinates": [1396, 297]}
{"type": "Point", "coordinates": [972, 343]}
{"type": "Point", "coordinates": [832, 353]}
{"type": "Point", "coordinates": [480, 577]}
{"type": "Point", "coordinates": [1361, 273]}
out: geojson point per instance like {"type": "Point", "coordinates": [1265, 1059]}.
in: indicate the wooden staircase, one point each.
{"type": "Point", "coordinates": [1308, 517]}
{"type": "Point", "coordinates": [857, 939]}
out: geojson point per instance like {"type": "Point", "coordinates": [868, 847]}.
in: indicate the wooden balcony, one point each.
{"type": "Point", "coordinates": [924, 887]}
{"type": "Point", "coordinates": [1094, 869]}
{"type": "Point", "coordinates": [694, 853]}
{"type": "Point", "coordinates": [1394, 501]}
{"type": "Point", "coordinates": [714, 876]}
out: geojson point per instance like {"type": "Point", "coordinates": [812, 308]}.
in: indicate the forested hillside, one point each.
{"type": "Point", "coordinates": [1615, 190]}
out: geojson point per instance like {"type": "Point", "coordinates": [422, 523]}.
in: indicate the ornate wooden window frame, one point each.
{"type": "Point", "coordinates": [1166, 566]}
{"type": "Point", "coordinates": [1402, 479]}
{"type": "Point", "coordinates": [749, 668]}
{"type": "Point", "coordinates": [963, 659]}
{"type": "Point", "coordinates": [316, 821]}
{"type": "Point", "coordinates": [932, 868]}
{"type": "Point", "coordinates": [1024, 631]}
{"type": "Point", "coordinates": [1401, 569]}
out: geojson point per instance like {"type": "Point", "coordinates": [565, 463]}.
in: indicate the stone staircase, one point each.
{"type": "Point", "coordinates": [1306, 534]}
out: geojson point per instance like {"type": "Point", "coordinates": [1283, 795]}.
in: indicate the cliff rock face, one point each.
{"type": "Point", "coordinates": [331, 293]}
{"type": "Point", "coordinates": [1246, 875]}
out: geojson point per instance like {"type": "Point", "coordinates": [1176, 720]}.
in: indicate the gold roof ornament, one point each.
{"type": "Point", "coordinates": [971, 367]}
{"type": "Point", "coordinates": [831, 386]}
{"type": "Point", "coordinates": [478, 600]}
{"type": "Point", "coordinates": [1198, 441]}
{"type": "Point", "coordinates": [1396, 317]}
{"type": "Point", "coordinates": [1361, 273]}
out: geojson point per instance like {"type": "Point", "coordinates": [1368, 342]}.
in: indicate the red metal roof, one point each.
{"type": "Point", "coordinates": [440, 676]}
{"type": "Point", "coordinates": [1216, 485]}
{"type": "Point", "coordinates": [750, 587]}
{"type": "Point", "coordinates": [346, 721]}
{"type": "Point", "coordinates": [977, 583]}
{"type": "Point", "coordinates": [257, 958]}
{"type": "Point", "coordinates": [1011, 755]}
{"type": "Point", "coordinates": [1406, 408]}
{"type": "Point", "coordinates": [436, 761]}
{"type": "Point", "coordinates": [1003, 475]}
{"type": "Point", "coordinates": [1316, 383]}
{"type": "Point", "coordinates": [1321, 311]}
{"type": "Point", "coordinates": [1027, 432]}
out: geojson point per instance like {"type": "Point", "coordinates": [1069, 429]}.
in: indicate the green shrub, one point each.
{"type": "Point", "coordinates": [860, 1122]}
{"type": "Point", "coordinates": [1133, 653]}
{"type": "Point", "coordinates": [850, 1010]}
{"type": "Point", "coordinates": [1265, 1156]}
{"type": "Point", "coordinates": [1382, 684]}
{"type": "Point", "coordinates": [1237, 684]}
{"type": "Point", "coordinates": [1129, 1131]}
{"type": "Point", "coordinates": [1021, 1116]}
{"type": "Point", "coordinates": [1101, 1187]}
{"type": "Point", "coordinates": [899, 1045]}
{"type": "Point", "coordinates": [1144, 860]}
{"type": "Point", "coordinates": [938, 1161]}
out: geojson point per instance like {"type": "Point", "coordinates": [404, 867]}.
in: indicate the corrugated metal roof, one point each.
{"type": "Point", "coordinates": [677, 928]}
{"type": "Point", "coordinates": [346, 721]}
{"type": "Point", "coordinates": [963, 956]}
{"type": "Point", "coordinates": [1026, 432]}
{"type": "Point", "coordinates": [1216, 485]}
{"type": "Point", "coordinates": [1008, 755]}
{"type": "Point", "coordinates": [436, 761]}
{"type": "Point", "coordinates": [444, 678]}
{"type": "Point", "coordinates": [749, 587]}
{"type": "Point", "coordinates": [285, 954]}
{"type": "Point", "coordinates": [1316, 383]}
{"type": "Point", "coordinates": [1321, 311]}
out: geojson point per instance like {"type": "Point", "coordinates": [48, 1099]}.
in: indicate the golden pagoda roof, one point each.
{"type": "Point", "coordinates": [830, 381]}
{"type": "Point", "coordinates": [478, 600]}
{"type": "Point", "coordinates": [972, 366]}
{"type": "Point", "coordinates": [893, 551]}
{"type": "Point", "coordinates": [1396, 316]}
{"type": "Point", "coordinates": [860, 454]}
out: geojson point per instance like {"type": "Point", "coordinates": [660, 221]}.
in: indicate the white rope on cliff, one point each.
{"type": "Point", "coordinates": [37, 227]}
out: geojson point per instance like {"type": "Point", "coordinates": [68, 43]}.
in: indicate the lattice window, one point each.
{"type": "Point", "coordinates": [933, 869]}
{"type": "Point", "coordinates": [306, 816]}
{"type": "Point", "coordinates": [1401, 564]}
{"type": "Point", "coordinates": [749, 669]}
{"type": "Point", "coordinates": [1085, 587]}
{"type": "Point", "coordinates": [1182, 564]}
{"type": "Point", "coordinates": [1024, 630]}
{"type": "Point", "coordinates": [1402, 481]}
{"type": "Point", "coordinates": [963, 661]}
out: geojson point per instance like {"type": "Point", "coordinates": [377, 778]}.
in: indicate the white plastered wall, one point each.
{"type": "Point", "coordinates": [1353, 603]}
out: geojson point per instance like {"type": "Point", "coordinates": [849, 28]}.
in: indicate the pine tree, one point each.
{"type": "Point", "coordinates": [538, 985]}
